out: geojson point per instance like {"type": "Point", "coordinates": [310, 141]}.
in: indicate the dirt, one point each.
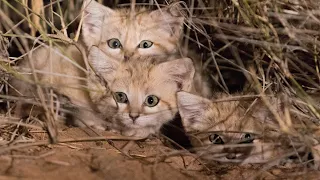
{"type": "Point", "coordinates": [143, 160]}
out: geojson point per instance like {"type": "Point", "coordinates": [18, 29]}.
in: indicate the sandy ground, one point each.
{"type": "Point", "coordinates": [100, 160]}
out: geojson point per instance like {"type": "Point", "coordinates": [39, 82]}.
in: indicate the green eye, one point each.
{"type": "Point", "coordinates": [120, 97]}
{"type": "Point", "coordinates": [215, 139]}
{"type": "Point", "coordinates": [145, 44]}
{"type": "Point", "coordinates": [151, 101]}
{"type": "Point", "coordinates": [114, 43]}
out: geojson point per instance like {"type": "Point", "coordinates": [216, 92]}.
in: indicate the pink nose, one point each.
{"type": "Point", "coordinates": [134, 116]}
{"type": "Point", "coordinates": [128, 55]}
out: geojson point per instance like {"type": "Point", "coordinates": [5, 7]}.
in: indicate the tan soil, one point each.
{"type": "Point", "coordinates": [99, 160]}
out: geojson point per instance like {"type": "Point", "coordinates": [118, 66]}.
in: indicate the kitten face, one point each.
{"type": "Point", "coordinates": [144, 91]}
{"type": "Point", "coordinates": [121, 35]}
{"type": "Point", "coordinates": [220, 129]}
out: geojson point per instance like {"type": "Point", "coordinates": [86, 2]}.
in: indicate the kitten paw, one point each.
{"type": "Point", "coordinates": [140, 133]}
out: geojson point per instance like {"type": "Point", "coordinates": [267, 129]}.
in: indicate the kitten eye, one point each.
{"type": "Point", "coordinates": [145, 44]}
{"type": "Point", "coordinates": [120, 97]}
{"type": "Point", "coordinates": [247, 138]}
{"type": "Point", "coordinates": [151, 101]}
{"type": "Point", "coordinates": [215, 139]}
{"type": "Point", "coordinates": [114, 43]}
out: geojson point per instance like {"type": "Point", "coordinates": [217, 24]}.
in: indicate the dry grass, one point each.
{"type": "Point", "coordinates": [270, 46]}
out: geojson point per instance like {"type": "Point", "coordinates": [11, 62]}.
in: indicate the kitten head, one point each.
{"type": "Point", "coordinates": [144, 90]}
{"type": "Point", "coordinates": [122, 33]}
{"type": "Point", "coordinates": [220, 129]}
{"type": "Point", "coordinates": [201, 114]}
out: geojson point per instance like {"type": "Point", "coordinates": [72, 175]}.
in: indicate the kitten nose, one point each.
{"type": "Point", "coordinates": [133, 116]}
{"type": "Point", "coordinates": [128, 55]}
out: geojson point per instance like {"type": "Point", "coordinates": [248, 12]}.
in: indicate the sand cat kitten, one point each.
{"type": "Point", "coordinates": [64, 72]}
{"type": "Point", "coordinates": [148, 33]}
{"type": "Point", "coordinates": [221, 124]}
{"type": "Point", "coordinates": [144, 89]}
{"type": "Point", "coordinates": [123, 33]}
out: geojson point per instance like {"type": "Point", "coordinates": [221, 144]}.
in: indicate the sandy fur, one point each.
{"type": "Point", "coordinates": [62, 70]}
{"type": "Point", "coordinates": [139, 78]}
{"type": "Point", "coordinates": [231, 121]}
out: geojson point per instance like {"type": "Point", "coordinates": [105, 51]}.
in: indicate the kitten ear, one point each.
{"type": "Point", "coordinates": [192, 109]}
{"type": "Point", "coordinates": [94, 17]}
{"type": "Point", "coordinates": [180, 71]}
{"type": "Point", "coordinates": [104, 66]}
{"type": "Point", "coordinates": [170, 19]}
